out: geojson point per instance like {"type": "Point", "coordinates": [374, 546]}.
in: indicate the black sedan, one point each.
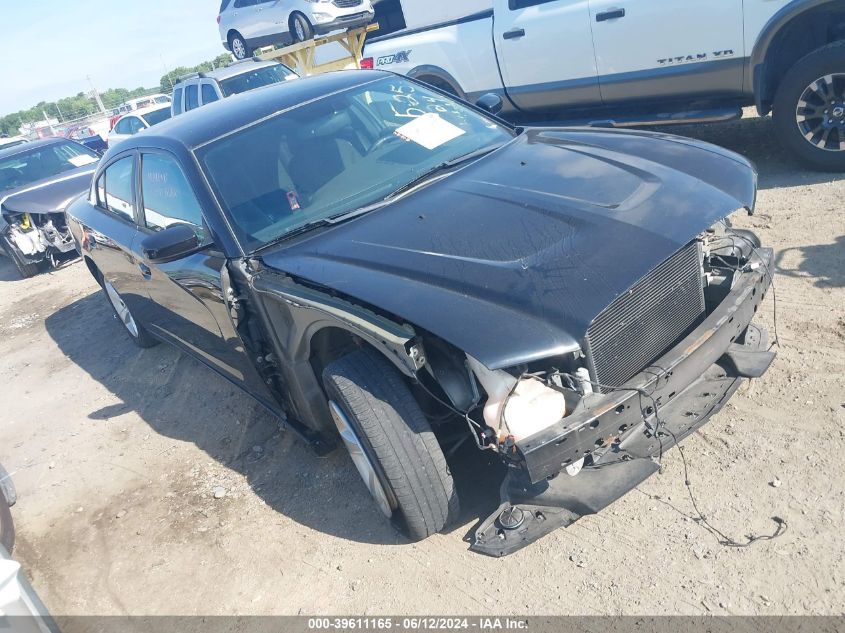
{"type": "Point", "coordinates": [37, 182]}
{"type": "Point", "coordinates": [398, 271]}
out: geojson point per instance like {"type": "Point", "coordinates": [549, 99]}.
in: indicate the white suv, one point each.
{"type": "Point", "coordinates": [248, 24]}
{"type": "Point", "coordinates": [199, 89]}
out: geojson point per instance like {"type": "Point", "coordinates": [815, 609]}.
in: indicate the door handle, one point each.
{"type": "Point", "coordinates": [513, 34]}
{"type": "Point", "coordinates": [611, 14]}
{"type": "Point", "coordinates": [146, 273]}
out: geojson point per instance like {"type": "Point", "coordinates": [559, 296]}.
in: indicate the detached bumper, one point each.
{"type": "Point", "coordinates": [688, 385]}
{"type": "Point", "coordinates": [346, 22]}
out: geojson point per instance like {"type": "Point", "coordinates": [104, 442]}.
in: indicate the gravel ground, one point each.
{"type": "Point", "coordinates": [119, 454]}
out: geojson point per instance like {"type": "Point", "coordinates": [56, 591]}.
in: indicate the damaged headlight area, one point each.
{"type": "Point", "coordinates": [580, 430]}
{"type": "Point", "coordinates": [38, 237]}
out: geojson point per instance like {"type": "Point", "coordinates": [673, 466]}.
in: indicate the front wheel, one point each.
{"type": "Point", "coordinates": [809, 108]}
{"type": "Point", "coordinates": [25, 269]}
{"type": "Point", "coordinates": [301, 28]}
{"type": "Point", "coordinates": [391, 443]}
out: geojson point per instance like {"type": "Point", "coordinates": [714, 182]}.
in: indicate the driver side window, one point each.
{"type": "Point", "coordinates": [168, 196]}
{"type": "Point", "coordinates": [122, 126]}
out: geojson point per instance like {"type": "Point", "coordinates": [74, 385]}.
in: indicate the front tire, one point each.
{"type": "Point", "coordinates": [25, 269]}
{"type": "Point", "coordinates": [391, 443]}
{"type": "Point", "coordinates": [809, 108]}
{"type": "Point", "coordinates": [137, 332]}
{"type": "Point", "coordinates": [301, 28]}
{"type": "Point", "coordinates": [237, 44]}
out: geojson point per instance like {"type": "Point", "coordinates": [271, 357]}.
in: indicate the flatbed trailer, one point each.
{"type": "Point", "coordinates": [302, 55]}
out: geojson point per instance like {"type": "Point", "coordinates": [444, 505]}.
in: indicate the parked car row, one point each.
{"type": "Point", "coordinates": [578, 332]}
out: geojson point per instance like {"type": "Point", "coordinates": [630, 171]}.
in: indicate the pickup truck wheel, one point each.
{"type": "Point", "coordinates": [25, 269]}
{"type": "Point", "coordinates": [809, 108]}
{"type": "Point", "coordinates": [136, 331]}
{"type": "Point", "coordinates": [391, 443]}
{"type": "Point", "coordinates": [237, 44]}
{"type": "Point", "coordinates": [301, 28]}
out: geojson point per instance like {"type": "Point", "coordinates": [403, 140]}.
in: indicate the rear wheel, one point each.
{"type": "Point", "coordinates": [391, 443]}
{"type": "Point", "coordinates": [136, 331]}
{"type": "Point", "coordinates": [301, 28]}
{"type": "Point", "coordinates": [809, 108]}
{"type": "Point", "coordinates": [237, 44]}
{"type": "Point", "coordinates": [25, 269]}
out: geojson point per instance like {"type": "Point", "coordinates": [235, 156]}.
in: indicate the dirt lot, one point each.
{"type": "Point", "coordinates": [116, 451]}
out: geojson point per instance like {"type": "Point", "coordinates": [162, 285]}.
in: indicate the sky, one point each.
{"type": "Point", "coordinates": [51, 46]}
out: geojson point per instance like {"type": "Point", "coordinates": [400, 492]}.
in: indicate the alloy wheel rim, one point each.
{"type": "Point", "coordinates": [239, 49]}
{"type": "Point", "coordinates": [122, 311]}
{"type": "Point", "coordinates": [821, 113]}
{"type": "Point", "coordinates": [360, 459]}
{"type": "Point", "coordinates": [300, 30]}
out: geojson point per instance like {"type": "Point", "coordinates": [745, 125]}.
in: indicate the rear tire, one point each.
{"type": "Point", "coordinates": [397, 441]}
{"type": "Point", "coordinates": [25, 269]}
{"type": "Point", "coordinates": [301, 28]}
{"type": "Point", "coordinates": [807, 83]}
{"type": "Point", "coordinates": [137, 332]}
{"type": "Point", "coordinates": [237, 44]}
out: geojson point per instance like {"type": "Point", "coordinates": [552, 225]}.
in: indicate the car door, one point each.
{"type": "Point", "coordinates": [659, 49]}
{"type": "Point", "coordinates": [267, 18]}
{"type": "Point", "coordinates": [186, 296]}
{"type": "Point", "coordinates": [545, 52]}
{"type": "Point", "coordinates": [112, 232]}
{"type": "Point", "coordinates": [245, 18]}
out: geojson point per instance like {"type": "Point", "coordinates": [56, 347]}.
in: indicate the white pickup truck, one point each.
{"type": "Point", "coordinates": [632, 62]}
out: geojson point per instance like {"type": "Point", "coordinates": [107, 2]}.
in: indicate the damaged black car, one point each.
{"type": "Point", "coordinates": [37, 182]}
{"type": "Point", "coordinates": [397, 271]}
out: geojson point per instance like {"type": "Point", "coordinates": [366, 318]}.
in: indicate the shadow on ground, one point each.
{"type": "Point", "coordinates": [823, 262]}
{"type": "Point", "coordinates": [182, 399]}
{"type": "Point", "coordinates": [755, 139]}
{"type": "Point", "coordinates": [8, 272]}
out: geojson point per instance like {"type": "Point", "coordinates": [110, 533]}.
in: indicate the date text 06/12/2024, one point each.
{"type": "Point", "coordinates": [485, 623]}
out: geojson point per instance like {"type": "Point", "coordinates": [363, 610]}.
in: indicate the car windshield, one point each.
{"type": "Point", "coordinates": [333, 156]}
{"type": "Point", "coordinates": [253, 79]}
{"type": "Point", "coordinates": [42, 162]}
{"type": "Point", "coordinates": [156, 116]}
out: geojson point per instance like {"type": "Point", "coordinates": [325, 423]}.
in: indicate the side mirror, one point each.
{"type": "Point", "coordinates": [490, 102]}
{"type": "Point", "coordinates": [172, 243]}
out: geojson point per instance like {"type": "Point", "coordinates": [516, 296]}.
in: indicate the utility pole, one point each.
{"type": "Point", "coordinates": [96, 96]}
{"type": "Point", "coordinates": [166, 72]}
{"type": "Point", "coordinates": [61, 118]}
{"type": "Point", "coordinates": [47, 121]}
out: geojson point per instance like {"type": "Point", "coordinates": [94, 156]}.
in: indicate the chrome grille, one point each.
{"type": "Point", "coordinates": [642, 323]}
{"type": "Point", "coordinates": [346, 4]}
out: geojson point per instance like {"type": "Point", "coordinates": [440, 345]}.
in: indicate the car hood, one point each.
{"type": "Point", "coordinates": [512, 257]}
{"type": "Point", "coordinates": [49, 195]}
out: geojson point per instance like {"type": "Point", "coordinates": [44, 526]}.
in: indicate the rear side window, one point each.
{"type": "Point", "coordinates": [223, 5]}
{"type": "Point", "coordinates": [209, 94]}
{"type": "Point", "coordinates": [115, 189]}
{"type": "Point", "coordinates": [135, 125]}
{"type": "Point", "coordinates": [168, 197]}
{"type": "Point", "coordinates": [191, 97]}
{"type": "Point", "coordinates": [177, 101]}
{"type": "Point", "coordinates": [524, 4]}
{"type": "Point", "coordinates": [122, 127]}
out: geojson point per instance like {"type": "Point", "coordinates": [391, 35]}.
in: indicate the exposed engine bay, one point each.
{"type": "Point", "coordinates": [39, 237]}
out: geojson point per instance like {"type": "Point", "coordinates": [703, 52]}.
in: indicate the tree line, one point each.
{"type": "Point", "coordinates": [83, 104]}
